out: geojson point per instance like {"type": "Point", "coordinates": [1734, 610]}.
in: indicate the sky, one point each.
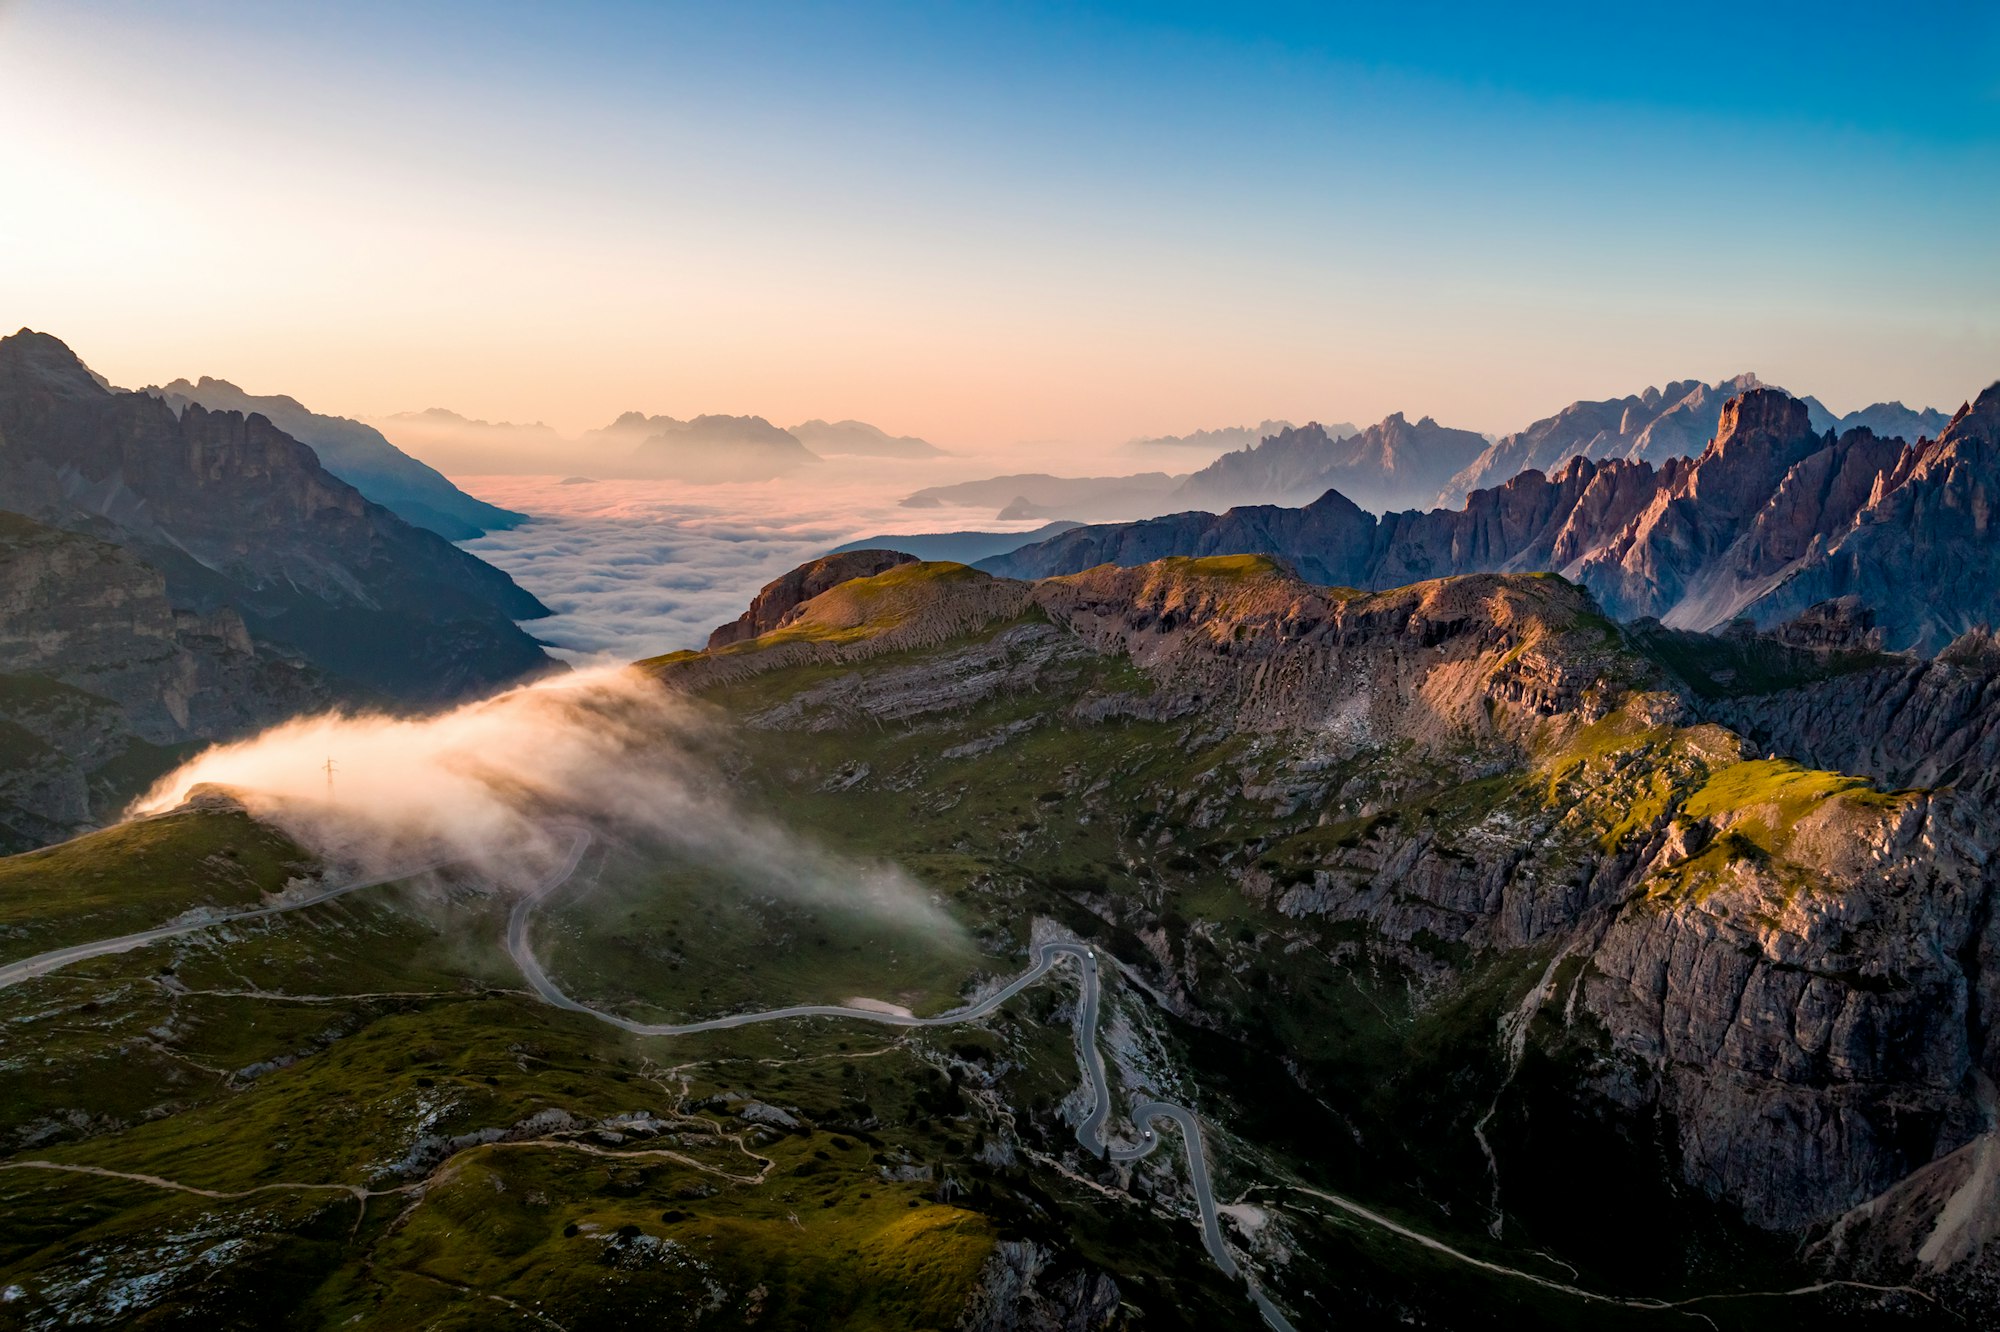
{"type": "Point", "coordinates": [988, 224]}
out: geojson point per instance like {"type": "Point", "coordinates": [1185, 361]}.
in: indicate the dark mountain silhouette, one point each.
{"type": "Point", "coordinates": [237, 514]}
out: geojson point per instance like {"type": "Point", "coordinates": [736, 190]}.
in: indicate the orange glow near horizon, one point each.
{"type": "Point", "coordinates": [370, 246]}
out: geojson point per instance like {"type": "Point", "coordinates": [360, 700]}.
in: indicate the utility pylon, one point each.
{"type": "Point", "coordinates": [329, 779]}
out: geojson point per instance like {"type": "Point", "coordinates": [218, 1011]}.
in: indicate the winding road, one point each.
{"type": "Point", "coordinates": [1090, 1133]}
{"type": "Point", "coordinates": [42, 963]}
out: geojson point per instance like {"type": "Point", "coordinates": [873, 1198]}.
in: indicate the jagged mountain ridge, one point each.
{"type": "Point", "coordinates": [1778, 960]}
{"type": "Point", "coordinates": [1652, 426]}
{"type": "Point", "coordinates": [1393, 464]}
{"type": "Point", "coordinates": [1769, 519]}
{"type": "Point", "coordinates": [358, 454]}
{"type": "Point", "coordinates": [236, 513]}
{"type": "Point", "coordinates": [1227, 439]}
{"type": "Point", "coordinates": [1655, 425]}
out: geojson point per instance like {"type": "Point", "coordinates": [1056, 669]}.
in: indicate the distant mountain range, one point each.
{"type": "Point", "coordinates": [834, 438]}
{"type": "Point", "coordinates": [1771, 518]}
{"type": "Point", "coordinates": [1673, 422]}
{"type": "Point", "coordinates": [1397, 465]}
{"type": "Point", "coordinates": [359, 455]}
{"type": "Point", "coordinates": [463, 446]}
{"type": "Point", "coordinates": [706, 450]}
{"type": "Point", "coordinates": [1390, 465]}
{"type": "Point", "coordinates": [1225, 440]}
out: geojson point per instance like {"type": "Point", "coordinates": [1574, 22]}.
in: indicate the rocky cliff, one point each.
{"type": "Point", "coordinates": [103, 681]}
{"type": "Point", "coordinates": [237, 514]}
{"type": "Point", "coordinates": [1768, 519]}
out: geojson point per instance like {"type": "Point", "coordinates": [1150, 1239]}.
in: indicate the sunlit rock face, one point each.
{"type": "Point", "coordinates": [1770, 518]}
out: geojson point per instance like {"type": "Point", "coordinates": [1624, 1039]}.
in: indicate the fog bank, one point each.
{"type": "Point", "coordinates": [489, 783]}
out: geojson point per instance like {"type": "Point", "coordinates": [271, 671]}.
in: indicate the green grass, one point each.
{"type": "Point", "coordinates": [1231, 568]}
{"type": "Point", "coordinates": [1717, 666]}
{"type": "Point", "coordinates": [671, 940]}
{"type": "Point", "coordinates": [864, 608]}
{"type": "Point", "coordinates": [1326, 1053]}
{"type": "Point", "coordinates": [137, 875]}
{"type": "Point", "coordinates": [1788, 791]}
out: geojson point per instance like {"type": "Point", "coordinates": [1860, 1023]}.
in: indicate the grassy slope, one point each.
{"type": "Point", "coordinates": [179, 1060]}
{"type": "Point", "coordinates": [415, 1033]}
{"type": "Point", "coordinates": [136, 875]}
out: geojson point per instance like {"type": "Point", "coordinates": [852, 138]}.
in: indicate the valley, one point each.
{"type": "Point", "coordinates": [1372, 953]}
{"type": "Point", "coordinates": [999, 668]}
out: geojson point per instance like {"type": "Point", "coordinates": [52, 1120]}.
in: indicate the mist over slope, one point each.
{"type": "Point", "coordinates": [491, 783]}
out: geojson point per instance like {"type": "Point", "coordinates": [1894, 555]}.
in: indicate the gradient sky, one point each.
{"type": "Point", "coordinates": [985, 223]}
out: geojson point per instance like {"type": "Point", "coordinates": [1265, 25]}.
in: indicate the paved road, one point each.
{"type": "Point", "coordinates": [42, 963]}
{"type": "Point", "coordinates": [1143, 1117]}
{"type": "Point", "coordinates": [1089, 1133]}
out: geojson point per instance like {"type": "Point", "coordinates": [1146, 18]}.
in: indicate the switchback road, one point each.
{"type": "Point", "coordinates": [1089, 1133]}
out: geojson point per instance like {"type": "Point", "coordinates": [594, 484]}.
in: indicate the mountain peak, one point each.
{"type": "Point", "coordinates": [1980, 417]}
{"type": "Point", "coordinates": [48, 359]}
{"type": "Point", "coordinates": [1762, 413]}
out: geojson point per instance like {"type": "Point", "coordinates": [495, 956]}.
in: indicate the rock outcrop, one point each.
{"type": "Point", "coordinates": [781, 596]}
{"type": "Point", "coordinates": [1024, 1288]}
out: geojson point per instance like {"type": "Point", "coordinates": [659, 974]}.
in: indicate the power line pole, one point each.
{"type": "Point", "coordinates": [329, 779]}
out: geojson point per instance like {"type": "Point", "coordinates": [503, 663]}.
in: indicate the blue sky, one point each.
{"type": "Point", "coordinates": [984, 223]}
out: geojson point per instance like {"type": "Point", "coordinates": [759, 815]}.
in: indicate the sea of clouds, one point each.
{"type": "Point", "coordinates": [634, 569]}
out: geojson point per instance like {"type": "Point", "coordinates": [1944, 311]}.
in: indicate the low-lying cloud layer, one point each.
{"type": "Point", "coordinates": [633, 569]}
{"type": "Point", "coordinates": [493, 785]}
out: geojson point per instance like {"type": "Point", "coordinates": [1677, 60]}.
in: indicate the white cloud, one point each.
{"type": "Point", "coordinates": [633, 569]}
{"type": "Point", "coordinates": [490, 784]}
